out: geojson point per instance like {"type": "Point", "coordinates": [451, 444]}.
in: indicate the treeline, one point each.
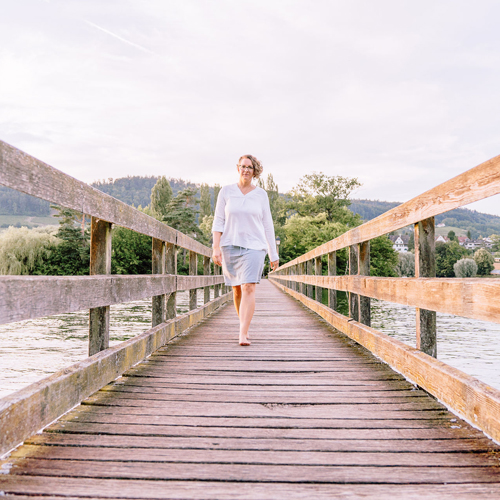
{"type": "Point", "coordinates": [478, 223]}
{"type": "Point", "coordinates": [136, 190]}
{"type": "Point", "coordinates": [13, 202]}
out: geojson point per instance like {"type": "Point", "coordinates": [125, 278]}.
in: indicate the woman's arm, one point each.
{"type": "Point", "coordinates": [217, 254]}
{"type": "Point", "coordinates": [218, 227]}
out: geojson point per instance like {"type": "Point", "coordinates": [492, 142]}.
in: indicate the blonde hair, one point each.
{"type": "Point", "coordinates": [257, 165]}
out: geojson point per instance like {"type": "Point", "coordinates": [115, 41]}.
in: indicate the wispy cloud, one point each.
{"type": "Point", "coordinates": [140, 47]}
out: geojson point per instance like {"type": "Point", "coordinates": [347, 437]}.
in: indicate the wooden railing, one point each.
{"type": "Point", "coordinates": [23, 297]}
{"type": "Point", "coordinates": [470, 297]}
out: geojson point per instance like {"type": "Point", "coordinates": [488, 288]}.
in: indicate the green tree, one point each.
{"type": "Point", "coordinates": [496, 242]}
{"type": "Point", "coordinates": [411, 242]}
{"type": "Point", "coordinates": [446, 256]}
{"type": "Point", "coordinates": [383, 258]}
{"type": "Point", "coordinates": [131, 252]}
{"type": "Point", "coordinates": [161, 195]}
{"type": "Point", "coordinates": [181, 214]}
{"type": "Point", "coordinates": [275, 201]}
{"type": "Point", "coordinates": [451, 235]}
{"type": "Point", "coordinates": [485, 262]}
{"type": "Point", "coordinates": [205, 203]}
{"type": "Point", "coordinates": [302, 234]}
{"type": "Point", "coordinates": [206, 227]}
{"type": "Point", "coordinates": [318, 193]}
{"type": "Point", "coordinates": [468, 234]}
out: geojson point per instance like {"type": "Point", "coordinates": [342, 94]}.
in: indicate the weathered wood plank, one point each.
{"type": "Point", "coordinates": [206, 272]}
{"type": "Point", "coordinates": [171, 268]}
{"type": "Point", "coordinates": [193, 270]}
{"type": "Point", "coordinates": [27, 297]}
{"type": "Point", "coordinates": [476, 184]}
{"type": "Point", "coordinates": [28, 410]}
{"type": "Point", "coordinates": [25, 173]}
{"type": "Point", "coordinates": [269, 457]}
{"type": "Point", "coordinates": [364, 270]}
{"type": "Point", "coordinates": [469, 397]}
{"type": "Point", "coordinates": [217, 490]}
{"type": "Point", "coordinates": [332, 271]}
{"type": "Point", "coordinates": [469, 297]}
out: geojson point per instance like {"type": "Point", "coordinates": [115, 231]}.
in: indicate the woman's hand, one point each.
{"type": "Point", "coordinates": [275, 265]}
{"type": "Point", "coordinates": [217, 256]}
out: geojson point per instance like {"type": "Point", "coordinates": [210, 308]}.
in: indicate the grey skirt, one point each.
{"type": "Point", "coordinates": [242, 265]}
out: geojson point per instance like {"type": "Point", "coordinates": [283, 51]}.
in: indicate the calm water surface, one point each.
{"type": "Point", "coordinates": [31, 350]}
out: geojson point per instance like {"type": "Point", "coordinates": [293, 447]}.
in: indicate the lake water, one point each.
{"type": "Point", "coordinates": [30, 350]}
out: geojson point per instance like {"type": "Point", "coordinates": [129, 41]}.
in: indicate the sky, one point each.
{"type": "Point", "coordinates": [401, 94]}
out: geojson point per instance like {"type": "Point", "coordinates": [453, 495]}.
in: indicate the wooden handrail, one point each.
{"type": "Point", "coordinates": [25, 173]}
{"type": "Point", "coordinates": [468, 297]}
{"type": "Point", "coordinates": [476, 184]}
{"type": "Point", "coordinates": [473, 298]}
{"type": "Point", "coordinates": [25, 297]}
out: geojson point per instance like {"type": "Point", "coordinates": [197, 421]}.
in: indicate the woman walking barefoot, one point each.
{"type": "Point", "coordinates": [243, 232]}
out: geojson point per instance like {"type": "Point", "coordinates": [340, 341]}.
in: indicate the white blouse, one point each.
{"type": "Point", "coordinates": [245, 220]}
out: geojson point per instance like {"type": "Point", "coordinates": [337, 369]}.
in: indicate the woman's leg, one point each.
{"type": "Point", "coordinates": [237, 298]}
{"type": "Point", "coordinates": [246, 310]}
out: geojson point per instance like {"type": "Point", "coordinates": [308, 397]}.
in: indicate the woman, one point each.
{"type": "Point", "coordinates": [242, 233]}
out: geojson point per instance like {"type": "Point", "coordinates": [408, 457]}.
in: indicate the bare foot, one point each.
{"type": "Point", "coordinates": [244, 341]}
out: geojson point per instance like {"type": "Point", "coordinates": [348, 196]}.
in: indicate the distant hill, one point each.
{"type": "Point", "coordinates": [478, 223]}
{"type": "Point", "coordinates": [136, 190]}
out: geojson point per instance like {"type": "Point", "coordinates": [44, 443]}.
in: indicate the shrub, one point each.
{"type": "Point", "coordinates": [465, 268]}
{"type": "Point", "coordinates": [23, 249]}
{"type": "Point", "coordinates": [406, 264]}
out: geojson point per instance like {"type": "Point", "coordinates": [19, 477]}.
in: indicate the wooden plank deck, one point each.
{"type": "Point", "coordinates": [304, 412]}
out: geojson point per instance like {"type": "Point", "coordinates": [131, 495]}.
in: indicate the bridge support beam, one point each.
{"type": "Point", "coordinates": [318, 271]}
{"type": "Point", "coordinates": [332, 271]}
{"type": "Point", "coordinates": [364, 270]}
{"type": "Point", "coordinates": [354, 269]}
{"type": "Point", "coordinates": [217, 272]}
{"type": "Point", "coordinates": [100, 263]}
{"type": "Point", "coordinates": [425, 267]}
{"type": "Point", "coordinates": [193, 271]}
{"type": "Point", "coordinates": [158, 267]}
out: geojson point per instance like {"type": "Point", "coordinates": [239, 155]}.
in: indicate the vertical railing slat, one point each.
{"type": "Point", "coordinates": [100, 263]}
{"type": "Point", "coordinates": [309, 271]}
{"type": "Point", "coordinates": [158, 267]}
{"type": "Point", "coordinates": [332, 271]}
{"type": "Point", "coordinates": [425, 267]}
{"type": "Point", "coordinates": [171, 268]}
{"type": "Point", "coordinates": [364, 270]}
{"type": "Point", "coordinates": [318, 271]}
{"type": "Point", "coordinates": [353, 269]}
{"type": "Point", "coordinates": [193, 271]}
{"type": "Point", "coordinates": [206, 272]}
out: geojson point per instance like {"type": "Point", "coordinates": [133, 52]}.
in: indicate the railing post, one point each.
{"type": "Point", "coordinates": [353, 269]}
{"type": "Point", "coordinates": [193, 271]}
{"type": "Point", "coordinates": [302, 272]}
{"type": "Point", "coordinates": [318, 271]}
{"type": "Point", "coordinates": [425, 267]}
{"type": "Point", "coordinates": [171, 268]}
{"type": "Point", "coordinates": [158, 267]}
{"type": "Point", "coordinates": [309, 271]}
{"type": "Point", "coordinates": [217, 270]}
{"type": "Point", "coordinates": [364, 270]}
{"type": "Point", "coordinates": [332, 271]}
{"type": "Point", "coordinates": [206, 272]}
{"type": "Point", "coordinates": [100, 263]}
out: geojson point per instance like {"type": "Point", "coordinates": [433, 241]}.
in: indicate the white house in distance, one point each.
{"type": "Point", "coordinates": [400, 243]}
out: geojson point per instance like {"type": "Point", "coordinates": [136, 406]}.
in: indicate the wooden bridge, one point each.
{"type": "Point", "coordinates": [312, 409]}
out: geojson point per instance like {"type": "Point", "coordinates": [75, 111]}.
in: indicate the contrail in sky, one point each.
{"type": "Point", "coordinates": [119, 37]}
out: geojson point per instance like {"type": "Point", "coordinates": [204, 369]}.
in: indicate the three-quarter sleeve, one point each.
{"type": "Point", "coordinates": [219, 216]}
{"type": "Point", "coordinates": [269, 231]}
